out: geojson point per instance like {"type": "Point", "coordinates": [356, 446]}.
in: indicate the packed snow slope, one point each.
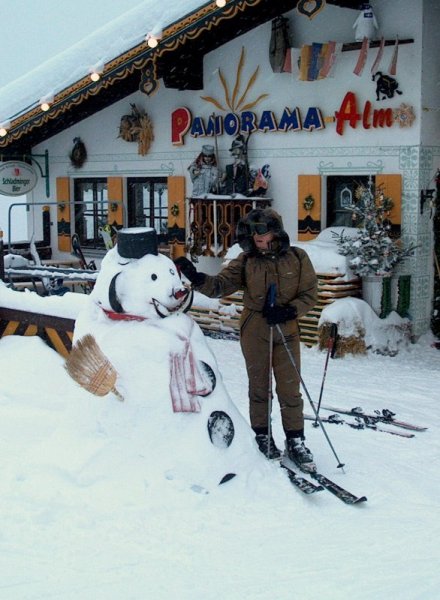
{"type": "Point", "coordinates": [88, 512]}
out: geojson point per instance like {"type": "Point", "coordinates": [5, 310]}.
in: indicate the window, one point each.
{"type": "Point", "coordinates": [323, 198]}
{"type": "Point", "coordinates": [341, 193]}
{"type": "Point", "coordinates": [147, 200]}
{"type": "Point", "coordinates": [91, 211]}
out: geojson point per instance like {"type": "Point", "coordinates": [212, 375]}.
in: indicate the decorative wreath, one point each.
{"type": "Point", "coordinates": [309, 202]}
{"type": "Point", "coordinates": [137, 127]}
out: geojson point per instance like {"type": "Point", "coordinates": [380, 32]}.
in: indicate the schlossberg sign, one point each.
{"type": "Point", "coordinates": [17, 178]}
{"type": "Point", "coordinates": [349, 113]}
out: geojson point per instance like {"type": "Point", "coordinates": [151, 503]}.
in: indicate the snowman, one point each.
{"type": "Point", "coordinates": [135, 345]}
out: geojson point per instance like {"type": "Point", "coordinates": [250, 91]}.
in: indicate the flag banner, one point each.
{"type": "Point", "coordinates": [375, 66]}
{"type": "Point", "coordinates": [362, 57]}
{"type": "Point", "coordinates": [393, 64]}
{"type": "Point", "coordinates": [315, 62]}
{"type": "Point", "coordinates": [304, 62]}
{"type": "Point", "coordinates": [329, 52]}
{"type": "Point", "coordinates": [287, 66]}
{"type": "Point", "coordinates": [295, 62]}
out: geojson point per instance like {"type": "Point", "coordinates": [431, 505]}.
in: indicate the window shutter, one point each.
{"type": "Point", "coordinates": [309, 220]}
{"type": "Point", "coordinates": [63, 213]}
{"type": "Point", "coordinates": [391, 185]}
{"type": "Point", "coordinates": [176, 215]}
{"type": "Point", "coordinates": [115, 193]}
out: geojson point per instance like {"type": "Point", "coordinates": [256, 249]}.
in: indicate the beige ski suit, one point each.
{"type": "Point", "coordinates": [292, 273]}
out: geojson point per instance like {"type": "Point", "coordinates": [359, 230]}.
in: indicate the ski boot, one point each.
{"type": "Point", "coordinates": [266, 446]}
{"type": "Point", "coordinates": [299, 454]}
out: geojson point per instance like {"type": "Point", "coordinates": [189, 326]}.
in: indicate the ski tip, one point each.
{"type": "Point", "coordinates": [360, 500]}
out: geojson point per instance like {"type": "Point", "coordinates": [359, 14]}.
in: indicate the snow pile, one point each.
{"type": "Point", "coordinates": [356, 319]}
{"type": "Point", "coordinates": [89, 512]}
{"type": "Point", "coordinates": [324, 254]}
{"type": "Point", "coordinates": [67, 306]}
{"type": "Point", "coordinates": [165, 371]}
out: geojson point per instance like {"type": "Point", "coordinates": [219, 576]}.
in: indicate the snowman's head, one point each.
{"type": "Point", "coordinates": [135, 280]}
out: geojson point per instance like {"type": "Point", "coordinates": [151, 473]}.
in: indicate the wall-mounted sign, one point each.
{"type": "Point", "coordinates": [17, 178]}
{"type": "Point", "coordinates": [290, 120]}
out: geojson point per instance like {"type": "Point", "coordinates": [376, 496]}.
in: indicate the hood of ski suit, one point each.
{"type": "Point", "coordinates": [274, 222]}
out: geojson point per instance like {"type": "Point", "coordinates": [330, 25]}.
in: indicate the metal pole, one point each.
{"type": "Point", "coordinates": [55, 203]}
{"type": "Point", "coordinates": [330, 352]}
{"type": "Point", "coordinates": [271, 301]}
{"type": "Point", "coordinates": [292, 360]}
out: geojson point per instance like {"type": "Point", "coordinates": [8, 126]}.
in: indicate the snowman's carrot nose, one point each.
{"type": "Point", "coordinates": [180, 293]}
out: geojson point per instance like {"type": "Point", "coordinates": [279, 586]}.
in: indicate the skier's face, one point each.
{"type": "Point", "coordinates": [264, 240]}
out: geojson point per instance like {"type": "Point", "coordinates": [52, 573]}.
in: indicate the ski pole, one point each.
{"type": "Point", "coordinates": [292, 360]}
{"type": "Point", "coordinates": [331, 347]}
{"type": "Point", "coordinates": [271, 302]}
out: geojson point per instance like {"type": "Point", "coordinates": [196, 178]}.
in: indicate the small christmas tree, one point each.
{"type": "Point", "coordinates": [372, 251]}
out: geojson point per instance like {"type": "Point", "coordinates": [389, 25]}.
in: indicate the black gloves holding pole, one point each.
{"type": "Point", "coordinates": [186, 267]}
{"type": "Point", "coordinates": [277, 314]}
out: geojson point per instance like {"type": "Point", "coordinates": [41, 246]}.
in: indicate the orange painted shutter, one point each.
{"type": "Point", "coordinates": [391, 185]}
{"type": "Point", "coordinates": [115, 193]}
{"type": "Point", "coordinates": [309, 221]}
{"type": "Point", "coordinates": [176, 215]}
{"type": "Point", "coordinates": [63, 213]}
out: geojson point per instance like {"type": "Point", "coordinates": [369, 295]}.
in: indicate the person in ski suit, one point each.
{"type": "Point", "coordinates": [267, 259]}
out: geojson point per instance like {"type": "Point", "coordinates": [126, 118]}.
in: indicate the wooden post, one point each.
{"type": "Point", "coordinates": [176, 216]}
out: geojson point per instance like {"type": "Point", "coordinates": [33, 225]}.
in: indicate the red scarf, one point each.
{"type": "Point", "coordinates": [187, 380]}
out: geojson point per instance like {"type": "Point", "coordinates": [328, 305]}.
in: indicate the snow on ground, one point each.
{"type": "Point", "coordinates": [80, 518]}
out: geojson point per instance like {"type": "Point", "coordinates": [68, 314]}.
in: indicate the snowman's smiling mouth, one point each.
{"type": "Point", "coordinates": [185, 301]}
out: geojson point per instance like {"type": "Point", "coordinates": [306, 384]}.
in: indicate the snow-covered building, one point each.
{"type": "Point", "coordinates": [325, 113]}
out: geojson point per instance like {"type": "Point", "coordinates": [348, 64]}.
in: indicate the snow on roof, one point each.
{"type": "Point", "coordinates": [98, 48]}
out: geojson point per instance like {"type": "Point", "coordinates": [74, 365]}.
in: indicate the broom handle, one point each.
{"type": "Point", "coordinates": [119, 396]}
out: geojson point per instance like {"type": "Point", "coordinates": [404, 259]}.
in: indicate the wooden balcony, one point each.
{"type": "Point", "coordinates": [212, 222]}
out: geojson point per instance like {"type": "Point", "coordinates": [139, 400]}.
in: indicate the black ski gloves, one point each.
{"type": "Point", "coordinates": [186, 267]}
{"type": "Point", "coordinates": [279, 314]}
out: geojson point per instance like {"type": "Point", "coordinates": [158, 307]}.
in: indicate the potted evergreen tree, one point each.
{"type": "Point", "coordinates": [372, 254]}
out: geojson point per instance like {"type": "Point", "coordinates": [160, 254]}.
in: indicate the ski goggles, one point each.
{"type": "Point", "coordinates": [259, 228]}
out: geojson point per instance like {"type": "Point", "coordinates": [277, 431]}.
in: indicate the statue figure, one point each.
{"type": "Point", "coordinates": [236, 177]}
{"type": "Point", "coordinates": [204, 172]}
{"type": "Point", "coordinates": [366, 23]}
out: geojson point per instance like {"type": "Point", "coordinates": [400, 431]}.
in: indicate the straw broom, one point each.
{"type": "Point", "coordinates": [91, 369]}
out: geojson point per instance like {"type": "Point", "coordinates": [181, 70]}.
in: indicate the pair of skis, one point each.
{"type": "Point", "coordinates": [323, 483]}
{"type": "Point", "coordinates": [384, 416]}
{"type": "Point", "coordinates": [359, 423]}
